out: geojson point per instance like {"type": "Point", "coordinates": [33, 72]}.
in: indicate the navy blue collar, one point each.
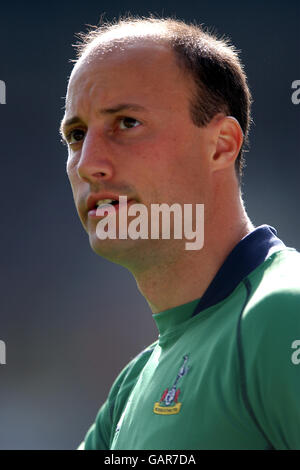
{"type": "Point", "coordinates": [249, 253]}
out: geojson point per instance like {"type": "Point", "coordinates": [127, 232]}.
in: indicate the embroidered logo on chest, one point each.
{"type": "Point", "coordinates": [168, 404]}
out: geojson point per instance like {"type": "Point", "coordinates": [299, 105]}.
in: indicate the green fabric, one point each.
{"type": "Point", "coordinates": [237, 387]}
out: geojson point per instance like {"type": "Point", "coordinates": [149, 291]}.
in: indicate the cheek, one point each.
{"type": "Point", "coordinates": [72, 162]}
{"type": "Point", "coordinates": [73, 177]}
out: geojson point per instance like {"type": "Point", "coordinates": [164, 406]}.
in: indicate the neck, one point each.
{"type": "Point", "coordinates": [180, 276]}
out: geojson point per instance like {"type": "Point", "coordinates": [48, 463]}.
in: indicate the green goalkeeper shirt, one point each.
{"type": "Point", "coordinates": [225, 370]}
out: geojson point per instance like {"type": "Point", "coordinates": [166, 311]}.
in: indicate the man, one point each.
{"type": "Point", "coordinates": [159, 111]}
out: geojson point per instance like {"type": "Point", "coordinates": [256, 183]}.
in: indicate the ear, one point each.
{"type": "Point", "coordinates": [229, 141]}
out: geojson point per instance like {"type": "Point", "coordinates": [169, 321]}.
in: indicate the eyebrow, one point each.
{"type": "Point", "coordinates": [120, 107]}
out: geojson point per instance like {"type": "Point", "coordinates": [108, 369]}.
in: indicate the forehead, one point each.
{"type": "Point", "coordinates": [140, 70]}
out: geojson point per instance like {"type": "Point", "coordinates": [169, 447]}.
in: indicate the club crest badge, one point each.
{"type": "Point", "coordinates": [169, 404]}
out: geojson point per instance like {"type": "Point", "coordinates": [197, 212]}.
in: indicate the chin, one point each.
{"type": "Point", "coordinates": [117, 251]}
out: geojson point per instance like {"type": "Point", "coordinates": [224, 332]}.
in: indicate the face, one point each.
{"type": "Point", "coordinates": [129, 132]}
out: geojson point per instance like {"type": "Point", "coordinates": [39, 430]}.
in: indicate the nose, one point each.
{"type": "Point", "coordinates": [95, 160]}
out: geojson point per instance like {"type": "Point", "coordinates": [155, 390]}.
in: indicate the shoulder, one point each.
{"type": "Point", "coordinates": [268, 348]}
{"type": "Point", "coordinates": [100, 433]}
{"type": "Point", "coordinates": [125, 381]}
{"type": "Point", "coordinates": [270, 321]}
{"type": "Point", "coordinates": [274, 288]}
{"type": "Point", "coordinates": [131, 371]}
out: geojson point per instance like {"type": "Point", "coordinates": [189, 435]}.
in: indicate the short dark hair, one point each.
{"type": "Point", "coordinates": [214, 64]}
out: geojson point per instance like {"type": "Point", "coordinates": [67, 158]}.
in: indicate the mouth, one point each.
{"type": "Point", "coordinates": [106, 205]}
{"type": "Point", "coordinates": [104, 202]}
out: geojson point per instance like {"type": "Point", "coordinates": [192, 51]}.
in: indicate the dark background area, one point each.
{"type": "Point", "coordinates": [71, 320]}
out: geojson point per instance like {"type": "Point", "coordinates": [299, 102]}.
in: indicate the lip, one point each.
{"type": "Point", "coordinates": [93, 199]}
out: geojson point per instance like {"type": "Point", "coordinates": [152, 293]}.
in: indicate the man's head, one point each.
{"type": "Point", "coordinates": [213, 64]}
{"type": "Point", "coordinates": [175, 142]}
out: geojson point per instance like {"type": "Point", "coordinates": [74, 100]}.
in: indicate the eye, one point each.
{"type": "Point", "coordinates": [126, 123]}
{"type": "Point", "coordinates": [75, 136]}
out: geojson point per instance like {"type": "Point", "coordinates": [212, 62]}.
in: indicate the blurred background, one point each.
{"type": "Point", "coordinates": [71, 320]}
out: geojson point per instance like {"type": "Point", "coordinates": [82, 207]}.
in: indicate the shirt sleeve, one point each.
{"type": "Point", "coordinates": [100, 434]}
{"type": "Point", "coordinates": [270, 338]}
